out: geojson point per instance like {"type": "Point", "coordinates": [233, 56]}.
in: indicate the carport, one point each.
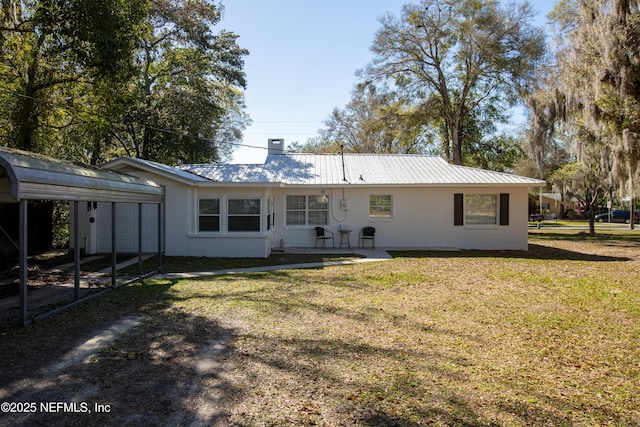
{"type": "Point", "coordinates": [27, 176]}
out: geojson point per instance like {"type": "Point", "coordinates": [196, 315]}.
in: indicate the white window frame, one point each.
{"type": "Point", "coordinates": [231, 215]}
{"type": "Point", "coordinates": [383, 215]}
{"type": "Point", "coordinates": [210, 215]}
{"type": "Point", "coordinates": [476, 207]}
{"type": "Point", "coordinates": [307, 210]}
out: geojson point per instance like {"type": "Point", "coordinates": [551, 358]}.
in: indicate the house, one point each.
{"type": "Point", "coordinates": [230, 210]}
{"type": "Point", "coordinates": [551, 205]}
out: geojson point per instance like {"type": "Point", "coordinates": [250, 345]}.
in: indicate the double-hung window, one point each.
{"type": "Point", "coordinates": [209, 215]}
{"type": "Point", "coordinates": [481, 209]}
{"type": "Point", "coordinates": [380, 206]}
{"type": "Point", "coordinates": [307, 210]}
{"type": "Point", "coordinates": [243, 215]}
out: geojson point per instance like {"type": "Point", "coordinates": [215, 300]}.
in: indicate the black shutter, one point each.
{"type": "Point", "coordinates": [458, 209]}
{"type": "Point", "coordinates": [504, 208]}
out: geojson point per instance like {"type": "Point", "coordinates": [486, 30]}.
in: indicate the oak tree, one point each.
{"type": "Point", "coordinates": [595, 87]}
{"type": "Point", "coordinates": [464, 58]}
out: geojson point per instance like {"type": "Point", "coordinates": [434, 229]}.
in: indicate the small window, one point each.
{"type": "Point", "coordinates": [209, 215]}
{"type": "Point", "coordinates": [480, 209]}
{"type": "Point", "coordinates": [380, 206]}
{"type": "Point", "coordinates": [244, 215]}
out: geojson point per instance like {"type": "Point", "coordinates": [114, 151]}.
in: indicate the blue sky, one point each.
{"type": "Point", "coordinates": [303, 59]}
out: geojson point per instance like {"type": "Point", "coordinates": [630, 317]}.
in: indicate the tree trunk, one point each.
{"type": "Point", "coordinates": [632, 201]}
{"type": "Point", "coordinates": [456, 145]}
{"type": "Point", "coordinates": [27, 125]}
{"type": "Point", "coordinates": [27, 117]}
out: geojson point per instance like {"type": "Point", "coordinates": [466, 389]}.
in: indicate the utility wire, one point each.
{"type": "Point", "coordinates": [169, 131]}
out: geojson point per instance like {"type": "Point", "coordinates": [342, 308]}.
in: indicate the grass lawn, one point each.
{"type": "Point", "coordinates": [545, 337]}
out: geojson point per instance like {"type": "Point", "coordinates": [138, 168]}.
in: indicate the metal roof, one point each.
{"type": "Point", "coordinates": [233, 173]}
{"type": "Point", "coordinates": [126, 164]}
{"type": "Point", "coordinates": [357, 169]}
{"type": "Point", "coordinates": [26, 175]}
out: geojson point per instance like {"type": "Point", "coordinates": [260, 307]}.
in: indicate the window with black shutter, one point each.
{"type": "Point", "coordinates": [458, 209]}
{"type": "Point", "coordinates": [504, 208]}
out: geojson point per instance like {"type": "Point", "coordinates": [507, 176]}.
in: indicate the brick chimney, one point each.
{"type": "Point", "coordinates": [276, 146]}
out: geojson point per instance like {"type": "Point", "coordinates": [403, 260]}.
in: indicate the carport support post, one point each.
{"type": "Point", "coordinates": [159, 237]}
{"type": "Point", "coordinates": [76, 253]}
{"type": "Point", "coordinates": [140, 241]}
{"type": "Point", "coordinates": [113, 244]}
{"type": "Point", "coordinates": [23, 261]}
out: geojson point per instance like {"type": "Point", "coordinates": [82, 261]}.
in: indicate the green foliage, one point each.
{"type": "Point", "coordinates": [52, 51]}
{"type": "Point", "coordinates": [499, 153]}
{"type": "Point", "coordinates": [467, 61]}
{"type": "Point", "coordinates": [187, 91]}
{"type": "Point", "coordinates": [443, 76]}
{"type": "Point", "coordinates": [592, 88]}
{"type": "Point", "coordinates": [374, 121]}
{"type": "Point", "coordinates": [586, 182]}
{"type": "Point", "coordinates": [101, 34]}
{"type": "Point", "coordinates": [91, 79]}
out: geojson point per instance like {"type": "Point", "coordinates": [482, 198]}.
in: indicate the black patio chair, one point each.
{"type": "Point", "coordinates": [324, 235]}
{"type": "Point", "coordinates": [367, 233]}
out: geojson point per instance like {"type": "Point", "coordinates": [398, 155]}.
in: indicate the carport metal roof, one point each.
{"type": "Point", "coordinates": [32, 176]}
{"type": "Point", "coordinates": [28, 176]}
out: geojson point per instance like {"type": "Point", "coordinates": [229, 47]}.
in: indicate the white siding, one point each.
{"type": "Point", "coordinates": [422, 217]}
{"type": "Point", "coordinates": [222, 243]}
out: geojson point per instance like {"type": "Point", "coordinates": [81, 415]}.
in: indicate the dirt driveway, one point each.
{"type": "Point", "coordinates": [172, 381]}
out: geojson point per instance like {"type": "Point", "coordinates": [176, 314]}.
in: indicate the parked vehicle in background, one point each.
{"type": "Point", "coordinates": [618, 216]}
{"type": "Point", "coordinates": [536, 217]}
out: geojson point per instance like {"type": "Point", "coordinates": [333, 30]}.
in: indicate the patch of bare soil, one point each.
{"type": "Point", "coordinates": [41, 271]}
{"type": "Point", "coordinates": [50, 282]}
{"type": "Point", "coordinates": [589, 249]}
{"type": "Point", "coordinates": [171, 376]}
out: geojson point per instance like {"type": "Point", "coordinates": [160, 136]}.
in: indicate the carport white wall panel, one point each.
{"type": "Point", "coordinates": [84, 227]}
{"type": "Point", "coordinates": [178, 211]}
{"type": "Point", "coordinates": [127, 227]}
